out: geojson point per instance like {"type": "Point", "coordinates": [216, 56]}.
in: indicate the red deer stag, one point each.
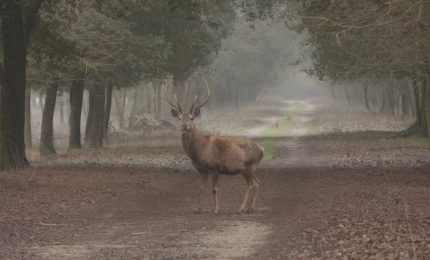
{"type": "Point", "coordinates": [214, 155]}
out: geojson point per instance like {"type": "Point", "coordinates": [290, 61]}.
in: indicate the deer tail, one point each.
{"type": "Point", "coordinates": [261, 147]}
{"type": "Point", "coordinates": [261, 153]}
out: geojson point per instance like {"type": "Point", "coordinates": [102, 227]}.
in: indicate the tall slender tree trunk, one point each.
{"type": "Point", "coordinates": [47, 133]}
{"type": "Point", "coordinates": [120, 98]}
{"type": "Point", "coordinates": [347, 95]}
{"type": "Point", "coordinates": [27, 124]}
{"type": "Point", "coordinates": [424, 109]}
{"type": "Point", "coordinates": [76, 96]}
{"type": "Point", "coordinates": [133, 112]}
{"type": "Point", "coordinates": [426, 97]}
{"type": "Point", "coordinates": [158, 94]}
{"type": "Point", "coordinates": [61, 107]}
{"type": "Point", "coordinates": [108, 107]}
{"type": "Point", "coordinates": [13, 81]}
{"type": "Point", "coordinates": [94, 127]}
{"type": "Point", "coordinates": [420, 92]}
{"type": "Point", "coordinates": [366, 98]}
{"type": "Point", "coordinates": [404, 106]}
{"type": "Point", "coordinates": [387, 105]}
{"type": "Point", "coordinates": [155, 86]}
{"type": "Point", "coordinates": [147, 99]}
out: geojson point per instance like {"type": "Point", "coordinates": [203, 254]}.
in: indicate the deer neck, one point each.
{"type": "Point", "coordinates": [194, 142]}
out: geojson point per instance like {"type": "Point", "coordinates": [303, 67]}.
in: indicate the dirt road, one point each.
{"type": "Point", "coordinates": [334, 188]}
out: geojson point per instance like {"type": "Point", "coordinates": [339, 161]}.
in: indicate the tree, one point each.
{"type": "Point", "coordinates": [353, 40]}
{"type": "Point", "coordinates": [85, 44]}
{"type": "Point", "coordinates": [17, 21]}
{"type": "Point", "coordinates": [76, 98]}
{"type": "Point", "coordinates": [257, 56]}
{"type": "Point", "coordinates": [194, 30]}
{"type": "Point", "coordinates": [46, 139]}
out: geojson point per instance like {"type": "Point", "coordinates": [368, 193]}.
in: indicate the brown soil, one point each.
{"type": "Point", "coordinates": [336, 193]}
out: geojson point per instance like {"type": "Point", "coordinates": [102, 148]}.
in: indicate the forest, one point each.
{"type": "Point", "coordinates": [335, 94]}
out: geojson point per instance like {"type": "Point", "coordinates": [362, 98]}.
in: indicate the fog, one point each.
{"type": "Point", "coordinates": [200, 129]}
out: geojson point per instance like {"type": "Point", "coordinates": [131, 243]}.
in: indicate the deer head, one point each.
{"type": "Point", "coordinates": [187, 118]}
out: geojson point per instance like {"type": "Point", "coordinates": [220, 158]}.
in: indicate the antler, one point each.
{"type": "Point", "coordinates": [177, 106]}
{"type": "Point", "coordinates": [206, 101]}
{"type": "Point", "coordinates": [194, 102]}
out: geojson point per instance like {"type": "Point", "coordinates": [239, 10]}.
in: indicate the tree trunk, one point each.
{"type": "Point", "coordinates": [348, 97]}
{"type": "Point", "coordinates": [27, 124]}
{"type": "Point", "coordinates": [424, 109]}
{"type": "Point", "coordinates": [146, 99]}
{"type": "Point", "coordinates": [61, 104]}
{"type": "Point", "coordinates": [158, 96]}
{"type": "Point", "coordinates": [13, 79]}
{"type": "Point", "coordinates": [404, 106]}
{"type": "Point", "coordinates": [132, 118]}
{"type": "Point", "coordinates": [397, 98]}
{"type": "Point", "coordinates": [108, 107]}
{"type": "Point", "coordinates": [366, 98]}
{"type": "Point", "coordinates": [120, 98]}
{"type": "Point", "coordinates": [94, 127]}
{"type": "Point", "coordinates": [420, 126]}
{"type": "Point", "coordinates": [155, 86]}
{"type": "Point", "coordinates": [391, 102]}
{"type": "Point", "coordinates": [47, 132]}
{"type": "Point", "coordinates": [76, 96]}
{"type": "Point", "coordinates": [426, 97]}
{"type": "Point", "coordinates": [387, 105]}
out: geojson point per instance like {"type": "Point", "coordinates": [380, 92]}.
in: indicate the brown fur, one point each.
{"type": "Point", "coordinates": [225, 155]}
{"type": "Point", "coordinates": [214, 155]}
{"type": "Point", "coordinates": [221, 145]}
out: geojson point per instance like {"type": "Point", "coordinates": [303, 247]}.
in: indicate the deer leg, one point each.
{"type": "Point", "coordinates": [255, 187]}
{"type": "Point", "coordinates": [215, 179]}
{"type": "Point", "coordinates": [245, 199]}
{"type": "Point", "coordinates": [203, 180]}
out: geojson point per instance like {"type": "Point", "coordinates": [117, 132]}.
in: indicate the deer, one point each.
{"type": "Point", "coordinates": [213, 155]}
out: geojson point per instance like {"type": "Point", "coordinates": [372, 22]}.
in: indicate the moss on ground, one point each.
{"type": "Point", "coordinates": [420, 141]}
{"type": "Point", "coordinates": [280, 129]}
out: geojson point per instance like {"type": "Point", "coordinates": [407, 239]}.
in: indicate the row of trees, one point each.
{"type": "Point", "coordinates": [105, 46]}
{"type": "Point", "coordinates": [97, 45]}
{"type": "Point", "coordinates": [376, 47]}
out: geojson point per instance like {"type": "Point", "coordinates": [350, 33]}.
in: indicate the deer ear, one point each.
{"type": "Point", "coordinates": [196, 113]}
{"type": "Point", "coordinates": [175, 113]}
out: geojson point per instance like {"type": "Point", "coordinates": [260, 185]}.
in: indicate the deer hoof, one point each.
{"type": "Point", "coordinates": [198, 210]}
{"type": "Point", "coordinates": [240, 211]}
{"type": "Point", "coordinates": [251, 210]}
{"type": "Point", "coordinates": [216, 211]}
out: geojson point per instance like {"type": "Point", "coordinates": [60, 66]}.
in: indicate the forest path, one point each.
{"type": "Point", "coordinates": [227, 236]}
{"type": "Point", "coordinates": [300, 109]}
{"type": "Point", "coordinates": [341, 194]}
